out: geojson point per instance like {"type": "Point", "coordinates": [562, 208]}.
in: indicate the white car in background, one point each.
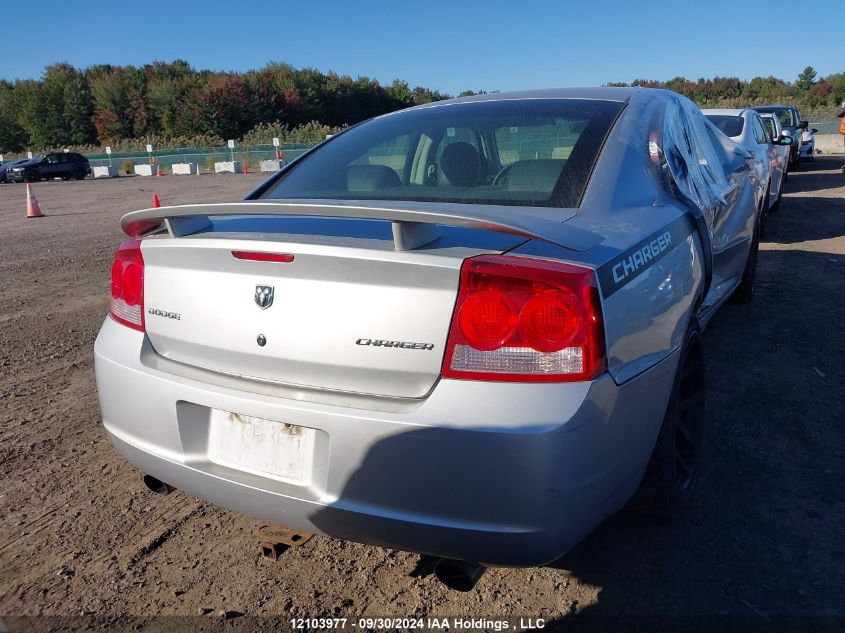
{"type": "Point", "coordinates": [808, 144]}
{"type": "Point", "coordinates": [746, 128]}
{"type": "Point", "coordinates": [792, 122]}
{"type": "Point", "coordinates": [773, 125]}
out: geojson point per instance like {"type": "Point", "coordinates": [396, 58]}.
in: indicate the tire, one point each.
{"type": "Point", "coordinates": [32, 176]}
{"type": "Point", "coordinates": [744, 292]}
{"type": "Point", "coordinates": [776, 206]}
{"type": "Point", "coordinates": [673, 470]}
{"type": "Point", "coordinates": [79, 175]}
{"type": "Point", "coordinates": [764, 215]}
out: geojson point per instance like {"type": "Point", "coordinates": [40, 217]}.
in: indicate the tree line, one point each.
{"type": "Point", "coordinates": [104, 104]}
{"type": "Point", "coordinates": [175, 104]}
{"type": "Point", "coordinates": [814, 96]}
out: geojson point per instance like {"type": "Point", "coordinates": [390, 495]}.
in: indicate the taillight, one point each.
{"type": "Point", "coordinates": [527, 320]}
{"type": "Point", "coordinates": [127, 285]}
{"type": "Point", "coordinates": [256, 256]}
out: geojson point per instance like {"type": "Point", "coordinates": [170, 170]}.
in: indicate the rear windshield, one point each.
{"type": "Point", "coordinates": [730, 125]}
{"type": "Point", "coordinates": [537, 152]}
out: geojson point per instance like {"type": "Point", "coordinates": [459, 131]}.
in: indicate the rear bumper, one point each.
{"type": "Point", "coordinates": [497, 473]}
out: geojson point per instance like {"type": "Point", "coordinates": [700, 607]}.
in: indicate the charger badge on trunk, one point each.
{"type": "Point", "coordinates": [264, 296]}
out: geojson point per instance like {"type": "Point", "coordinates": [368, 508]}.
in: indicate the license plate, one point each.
{"type": "Point", "coordinates": [264, 447]}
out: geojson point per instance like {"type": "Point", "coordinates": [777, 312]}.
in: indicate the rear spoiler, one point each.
{"type": "Point", "coordinates": [414, 224]}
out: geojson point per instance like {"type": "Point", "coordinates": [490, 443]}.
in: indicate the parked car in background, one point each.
{"type": "Point", "coordinates": [64, 165]}
{"type": "Point", "coordinates": [774, 127]}
{"type": "Point", "coordinates": [808, 143]}
{"type": "Point", "coordinates": [485, 332]}
{"type": "Point", "coordinates": [4, 167]}
{"type": "Point", "coordinates": [792, 124]}
{"type": "Point", "coordinates": [747, 129]}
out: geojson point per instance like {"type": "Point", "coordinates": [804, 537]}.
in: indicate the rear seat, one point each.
{"type": "Point", "coordinates": [371, 178]}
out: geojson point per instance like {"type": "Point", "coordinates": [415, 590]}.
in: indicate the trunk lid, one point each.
{"type": "Point", "coordinates": [348, 313]}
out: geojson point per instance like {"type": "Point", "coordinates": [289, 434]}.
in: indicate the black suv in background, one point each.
{"type": "Point", "coordinates": [792, 124]}
{"type": "Point", "coordinates": [4, 167]}
{"type": "Point", "coordinates": [65, 165]}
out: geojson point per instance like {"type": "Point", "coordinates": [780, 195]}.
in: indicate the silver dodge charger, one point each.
{"type": "Point", "coordinates": [470, 329]}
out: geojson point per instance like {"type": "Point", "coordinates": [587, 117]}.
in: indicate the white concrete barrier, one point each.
{"type": "Point", "coordinates": [271, 165]}
{"type": "Point", "coordinates": [233, 167]}
{"type": "Point", "coordinates": [184, 169]}
{"type": "Point", "coordinates": [105, 171]}
{"type": "Point", "coordinates": [830, 143]}
{"type": "Point", "coordinates": [145, 169]}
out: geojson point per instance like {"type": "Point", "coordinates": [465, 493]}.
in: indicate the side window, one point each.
{"type": "Point", "coordinates": [768, 133]}
{"type": "Point", "coordinates": [391, 153]}
{"type": "Point", "coordinates": [759, 131]}
{"type": "Point", "coordinates": [769, 122]}
{"type": "Point", "coordinates": [51, 159]}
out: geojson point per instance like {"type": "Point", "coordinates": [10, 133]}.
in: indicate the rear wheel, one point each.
{"type": "Point", "coordinates": [776, 205]}
{"type": "Point", "coordinates": [32, 176]}
{"type": "Point", "coordinates": [744, 292]}
{"type": "Point", "coordinates": [79, 174]}
{"type": "Point", "coordinates": [673, 470]}
{"type": "Point", "coordinates": [764, 214]}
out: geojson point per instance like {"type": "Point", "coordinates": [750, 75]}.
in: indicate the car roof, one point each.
{"type": "Point", "coordinates": [772, 108]}
{"type": "Point", "coordinates": [726, 111]}
{"type": "Point", "coordinates": [606, 94]}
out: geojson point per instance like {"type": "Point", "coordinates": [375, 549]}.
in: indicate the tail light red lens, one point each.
{"type": "Point", "coordinates": [487, 319]}
{"type": "Point", "coordinates": [524, 319]}
{"type": "Point", "coordinates": [127, 286]}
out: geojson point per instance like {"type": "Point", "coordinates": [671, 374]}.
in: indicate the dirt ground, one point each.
{"type": "Point", "coordinates": [81, 536]}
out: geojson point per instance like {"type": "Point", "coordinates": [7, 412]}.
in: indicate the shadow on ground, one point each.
{"type": "Point", "coordinates": [817, 175]}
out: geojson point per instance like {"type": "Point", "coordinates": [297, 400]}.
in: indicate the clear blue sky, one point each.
{"type": "Point", "coordinates": [447, 45]}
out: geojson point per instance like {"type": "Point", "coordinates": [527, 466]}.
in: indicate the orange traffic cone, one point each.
{"type": "Point", "coordinates": [156, 201]}
{"type": "Point", "coordinates": [246, 168]}
{"type": "Point", "coordinates": [33, 210]}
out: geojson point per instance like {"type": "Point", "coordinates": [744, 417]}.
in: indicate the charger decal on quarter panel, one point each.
{"type": "Point", "coordinates": [627, 266]}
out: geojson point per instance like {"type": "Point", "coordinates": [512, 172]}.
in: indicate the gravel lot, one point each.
{"type": "Point", "coordinates": [80, 535]}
